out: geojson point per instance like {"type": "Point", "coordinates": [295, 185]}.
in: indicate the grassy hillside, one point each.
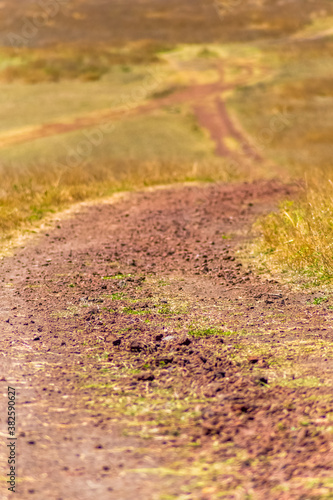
{"type": "Point", "coordinates": [67, 69]}
{"type": "Point", "coordinates": [49, 159]}
{"type": "Point", "coordinates": [299, 97]}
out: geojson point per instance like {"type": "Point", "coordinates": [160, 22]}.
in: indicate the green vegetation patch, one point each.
{"type": "Point", "coordinates": [300, 382]}
{"type": "Point", "coordinates": [205, 332]}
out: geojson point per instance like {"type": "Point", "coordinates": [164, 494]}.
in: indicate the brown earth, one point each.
{"type": "Point", "coordinates": [148, 361]}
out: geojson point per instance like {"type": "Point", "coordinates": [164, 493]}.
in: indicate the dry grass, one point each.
{"type": "Point", "coordinates": [300, 234]}
{"type": "Point", "coordinates": [290, 117]}
{"type": "Point", "coordinates": [85, 63]}
{"type": "Point", "coordinates": [27, 195]}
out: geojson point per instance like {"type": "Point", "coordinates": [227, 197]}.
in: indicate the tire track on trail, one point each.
{"type": "Point", "coordinates": [205, 99]}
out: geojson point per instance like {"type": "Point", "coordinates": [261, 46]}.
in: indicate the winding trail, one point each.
{"type": "Point", "coordinates": [205, 99]}
{"type": "Point", "coordinates": [141, 348]}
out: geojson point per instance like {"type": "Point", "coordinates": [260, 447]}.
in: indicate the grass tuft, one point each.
{"type": "Point", "coordinates": [205, 332]}
{"type": "Point", "coordinates": [300, 234]}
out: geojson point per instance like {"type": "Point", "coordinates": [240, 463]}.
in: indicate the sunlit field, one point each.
{"type": "Point", "coordinates": [58, 88]}
{"type": "Point", "coordinates": [301, 92]}
{"type": "Point", "coordinates": [166, 237]}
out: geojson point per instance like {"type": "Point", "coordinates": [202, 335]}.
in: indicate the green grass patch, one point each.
{"type": "Point", "coordinates": [206, 332]}
{"type": "Point", "coordinates": [319, 300]}
{"type": "Point", "coordinates": [118, 296]}
{"type": "Point", "coordinates": [310, 382]}
{"type": "Point", "coordinates": [129, 310]}
{"type": "Point", "coordinates": [174, 307]}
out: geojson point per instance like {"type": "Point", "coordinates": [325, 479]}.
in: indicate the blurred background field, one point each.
{"type": "Point", "coordinates": [300, 235]}
{"type": "Point", "coordinates": [88, 59]}
{"type": "Point", "coordinates": [174, 21]}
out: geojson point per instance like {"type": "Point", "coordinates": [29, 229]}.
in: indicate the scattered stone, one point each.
{"type": "Point", "coordinates": [92, 312]}
{"type": "Point", "coordinates": [165, 360]}
{"type": "Point", "coordinates": [136, 346]}
{"type": "Point", "coordinates": [159, 337]}
{"type": "Point", "coordinates": [263, 363]}
{"type": "Point", "coordinates": [116, 342]}
{"type": "Point", "coordinates": [184, 341]}
{"type": "Point", "coordinates": [212, 389]}
{"type": "Point", "coordinates": [146, 376]}
{"type": "Point", "coordinates": [36, 338]}
{"type": "Point", "coordinates": [262, 381]}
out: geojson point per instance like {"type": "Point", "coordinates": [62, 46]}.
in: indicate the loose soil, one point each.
{"type": "Point", "coordinates": [150, 363]}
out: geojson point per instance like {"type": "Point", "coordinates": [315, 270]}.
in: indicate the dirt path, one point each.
{"type": "Point", "coordinates": [206, 100]}
{"type": "Point", "coordinates": [150, 364]}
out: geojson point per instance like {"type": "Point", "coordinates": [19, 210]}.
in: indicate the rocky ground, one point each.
{"type": "Point", "coordinates": [151, 362]}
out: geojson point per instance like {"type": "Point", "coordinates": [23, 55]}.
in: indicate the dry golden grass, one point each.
{"type": "Point", "coordinates": [300, 234]}
{"type": "Point", "coordinates": [174, 21]}
{"type": "Point", "coordinates": [61, 62]}
{"type": "Point", "coordinates": [28, 195]}
{"type": "Point", "coordinates": [290, 114]}
{"type": "Point", "coordinates": [290, 117]}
